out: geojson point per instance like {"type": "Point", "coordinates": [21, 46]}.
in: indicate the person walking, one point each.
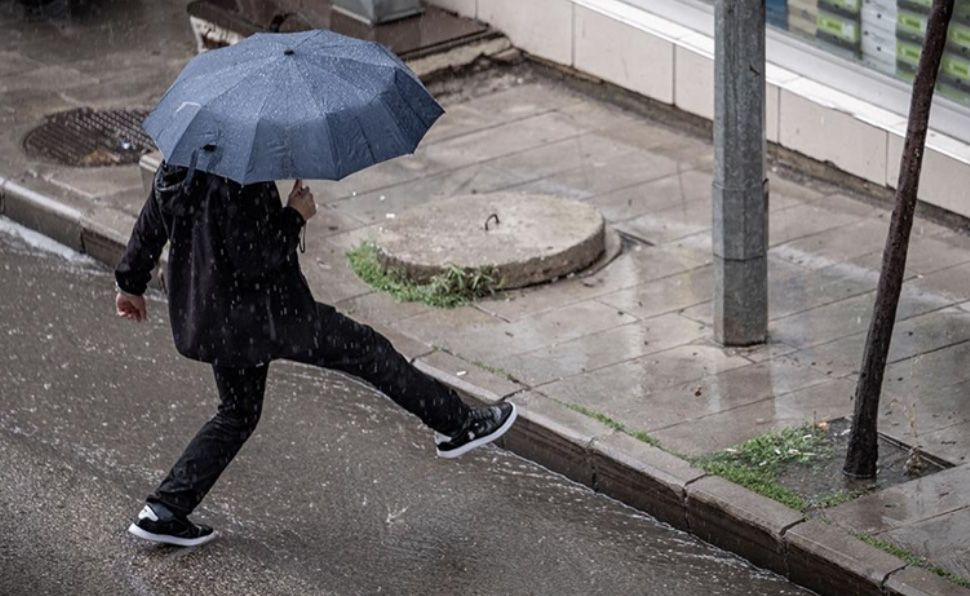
{"type": "Point", "coordinates": [238, 300]}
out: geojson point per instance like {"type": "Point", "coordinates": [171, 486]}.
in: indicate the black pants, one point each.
{"type": "Point", "coordinates": [345, 345]}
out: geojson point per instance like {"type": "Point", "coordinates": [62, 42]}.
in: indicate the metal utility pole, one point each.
{"type": "Point", "coordinates": [740, 189]}
{"type": "Point", "coordinates": [863, 451]}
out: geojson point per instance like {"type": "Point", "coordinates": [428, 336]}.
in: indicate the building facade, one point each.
{"type": "Point", "coordinates": [838, 74]}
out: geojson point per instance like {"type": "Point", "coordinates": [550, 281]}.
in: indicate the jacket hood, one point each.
{"type": "Point", "coordinates": [177, 189]}
{"type": "Point", "coordinates": [169, 182]}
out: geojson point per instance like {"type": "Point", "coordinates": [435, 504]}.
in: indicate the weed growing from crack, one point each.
{"type": "Point", "coordinates": [912, 558]}
{"type": "Point", "coordinates": [614, 424]}
{"type": "Point", "coordinates": [495, 370]}
{"type": "Point", "coordinates": [455, 287]}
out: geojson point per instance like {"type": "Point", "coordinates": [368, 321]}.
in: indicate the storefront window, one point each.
{"type": "Point", "coordinates": [884, 35]}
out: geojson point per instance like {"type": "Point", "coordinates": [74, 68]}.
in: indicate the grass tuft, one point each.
{"type": "Point", "coordinates": [755, 464]}
{"type": "Point", "coordinates": [760, 480]}
{"type": "Point", "coordinates": [455, 287]}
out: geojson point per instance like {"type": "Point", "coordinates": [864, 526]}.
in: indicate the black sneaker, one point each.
{"type": "Point", "coordinates": [483, 425]}
{"type": "Point", "coordinates": [158, 524]}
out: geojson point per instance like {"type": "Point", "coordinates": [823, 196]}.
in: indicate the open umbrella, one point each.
{"type": "Point", "coordinates": [275, 106]}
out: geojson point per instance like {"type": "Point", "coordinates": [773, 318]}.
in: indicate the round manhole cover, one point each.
{"type": "Point", "coordinates": [525, 238]}
{"type": "Point", "coordinates": [86, 137]}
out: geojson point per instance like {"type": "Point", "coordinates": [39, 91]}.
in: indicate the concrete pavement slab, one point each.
{"type": "Point", "coordinates": [376, 206]}
{"type": "Point", "coordinates": [847, 317]}
{"type": "Point", "coordinates": [628, 345]}
{"type": "Point", "coordinates": [668, 294]}
{"type": "Point", "coordinates": [794, 289]}
{"type": "Point", "coordinates": [697, 436]}
{"type": "Point", "coordinates": [519, 101]}
{"type": "Point", "coordinates": [560, 156]}
{"type": "Point", "coordinates": [602, 176]}
{"type": "Point", "coordinates": [812, 218]}
{"type": "Point", "coordinates": [670, 224]}
{"type": "Point", "coordinates": [381, 307]}
{"type": "Point", "coordinates": [506, 138]}
{"type": "Point", "coordinates": [906, 504]}
{"type": "Point", "coordinates": [945, 540]}
{"type": "Point", "coordinates": [626, 392]}
{"type": "Point", "coordinates": [913, 337]}
{"type": "Point", "coordinates": [688, 150]}
{"type": "Point", "coordinates": [951, 443]}
{"type": "Point", "coordinates": [837, 245]}
{"type": "Point", "coordinates": [493, 339]}
{"type": "Point", "coordinates": [637, 265]}
{"type": "Point", "coordinates": [654, 195]}
{"type": "Point", "coordinates": [483, 386]}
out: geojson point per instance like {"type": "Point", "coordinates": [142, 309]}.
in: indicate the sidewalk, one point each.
{"type": "Point", "coordinates": [629, 348]}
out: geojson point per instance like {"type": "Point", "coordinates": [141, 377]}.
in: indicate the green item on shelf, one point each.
{"type": "Point", "coordinates": [841, 28]}
{"type": "Point", "coordinates": [959, 35]}
{"type": "Point", "coordinates": [921, 5]}
{"type": "Point", "coordinates": [849, 6]}
{"type": "Point", "coordinates": [956, 66]}
{"type": "Point", "coordinates": [911, 23]}
{"type": "Point", "coordinates": [904, 74]}
{"type": "Point", "coordinates": [908, 53]}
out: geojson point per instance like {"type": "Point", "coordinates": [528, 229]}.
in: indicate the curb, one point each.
{"type": "Point", "coordinates": [820, 556]}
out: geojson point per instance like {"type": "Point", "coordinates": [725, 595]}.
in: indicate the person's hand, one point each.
{"type": "Point", "coordinates": [301, 199]}
{"type": "Point", "coordinates": [131, 307]}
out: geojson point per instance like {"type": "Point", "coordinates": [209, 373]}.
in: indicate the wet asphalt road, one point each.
{"type": "Point", "coordinates": [337, 492]}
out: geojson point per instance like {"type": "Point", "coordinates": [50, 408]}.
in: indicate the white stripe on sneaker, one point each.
{"type": "Point", "coordinates": [173, 540]}
{"type": "Point", "coordinates": [481, 440]}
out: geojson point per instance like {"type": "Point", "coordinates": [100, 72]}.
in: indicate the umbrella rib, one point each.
{"type": "Point", "coordinates": [217, 71]}
{"type": "Point", "coordinates": [179, 80]}
{"type": "Point", "coordinates": [310, 59]}
{"type": "Point", "coordinates": [397, 124]}
{"type": "Point", "coordinates": [323, 113]}
{"type": "Point", "coordinates": [234, 85]}
{"type": "Point", "coordinates": [209, 101]}
{"type": "Point", "coordinates": [360, 96]}
{"type": "Point", "coordinates": [351, 84]}
{"type": "Point", "coordinates": [252, 142]}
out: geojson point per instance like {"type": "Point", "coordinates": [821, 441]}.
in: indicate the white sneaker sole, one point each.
{"type": "Point", "coordinates": [173, 540]}
{"type": "Point", "coordinates": [481, 440]}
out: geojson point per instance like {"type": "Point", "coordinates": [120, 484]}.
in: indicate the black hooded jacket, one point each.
{"type": "Point", "coordinates": [236, 294]}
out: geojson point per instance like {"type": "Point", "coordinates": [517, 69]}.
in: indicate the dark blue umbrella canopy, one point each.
{"type": "Point", "coordinates": [275, 106]}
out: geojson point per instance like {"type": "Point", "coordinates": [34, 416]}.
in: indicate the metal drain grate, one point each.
{"type": "Point", "coordinates": [86, 137]}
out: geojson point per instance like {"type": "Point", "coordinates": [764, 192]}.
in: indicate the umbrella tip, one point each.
{"type": "Point", "coordinates": [288, 52]}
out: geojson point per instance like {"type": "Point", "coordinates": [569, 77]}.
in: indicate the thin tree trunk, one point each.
{"type": "Point", "coordinates": [860, 461]}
